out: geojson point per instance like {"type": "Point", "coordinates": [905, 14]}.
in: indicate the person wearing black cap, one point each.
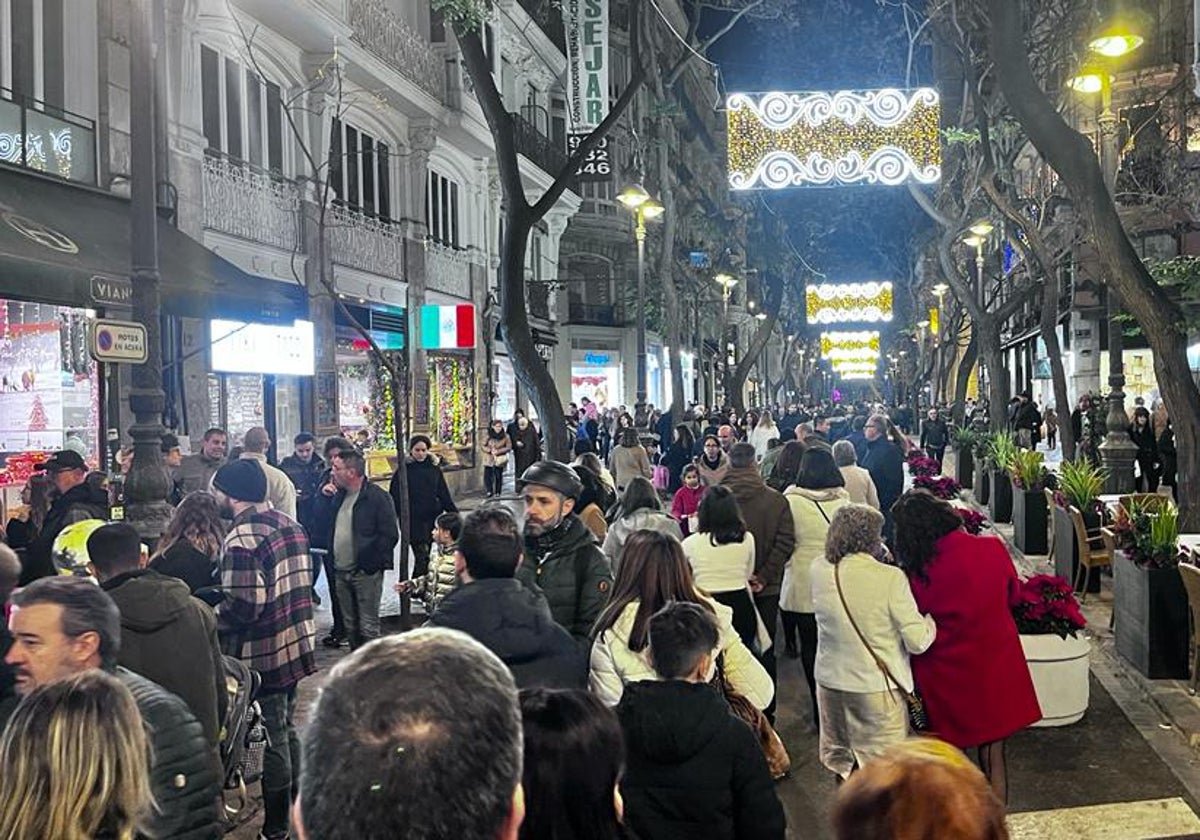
{"type": "Point", "coordinates": [75, 499]}
{"type": "Point", "coordinates": [172, 458]}
{"type": "Point", "coordinates": [266, 620]}
{"type": "Point", "coordinates": [561, 556]}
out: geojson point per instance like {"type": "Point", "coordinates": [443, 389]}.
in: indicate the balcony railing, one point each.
{"type": "Point", "coordinates": [447, 269]}
{"type": "Point", "coordinates": [46, 139]}
{"type": "Point", "coordinates": [365, 242]}
{"type": "Point", "coordinates": [247, 202]}
{"type": "Point", "coordinates": [538, 296]}
{"type": "Point", "coordinates": [535, 145]}
{"type": "Point", "coordinates": [548, 16]}
{"type": "Point", "coordinates": [595, 314]}
{"type": "Point", "coordinates": [395, 43]}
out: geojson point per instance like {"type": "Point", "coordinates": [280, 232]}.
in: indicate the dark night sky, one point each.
{"type": "Point", "coordinates": [848, 233]}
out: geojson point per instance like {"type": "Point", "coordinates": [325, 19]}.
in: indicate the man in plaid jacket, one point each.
{"type": "Point", "coordinates": [266, 620]}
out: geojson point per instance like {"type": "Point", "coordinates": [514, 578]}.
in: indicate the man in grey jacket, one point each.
{"type": "Point", "coordinates": [195, 472]}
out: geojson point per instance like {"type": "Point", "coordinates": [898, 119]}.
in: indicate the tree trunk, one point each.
{"type": "Point", "coordinates": [992, 357]}
{"type": "Point", "coordinates": [1074, 160]}
{"type": "Point", "coordinates": [963, 379]}
{"type": "Point", "coordinates": [672, 310]}
{"type": "Point", "coordinates": [1058, 373]}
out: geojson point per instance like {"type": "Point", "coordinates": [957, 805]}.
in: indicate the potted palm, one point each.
{"type": "Point", "coordinates": [1080, 484]}
{"type": "Point", "coordinates": [1049, 620]}
{"type": "Point", "coordinates": [982, 478]}
{"type": "Point", "coordinates": [1001, 450]}
{"type": "Point", "coordinates": [964, 457]}
{"type": "Point", "coordinates": [1030, 513]}
{"type": "Point", "coordinates": [1150, 606]}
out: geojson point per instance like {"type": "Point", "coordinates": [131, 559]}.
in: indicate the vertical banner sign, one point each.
{"type": "Point", "coordinates": [935, 326]}
{"type": "Point", "coordinates": [586, 23]}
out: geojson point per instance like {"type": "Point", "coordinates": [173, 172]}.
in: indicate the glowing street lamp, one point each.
{"type": "Point", "coordinates": [644, 206]}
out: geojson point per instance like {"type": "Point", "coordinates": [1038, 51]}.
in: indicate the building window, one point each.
{"type": "Point", "coordinates": [360, 170]}
{"type": "Point", "coordinates": [241, 111]}
{"type": "Point", "coordinates": [442, 210]}
{"type": "Point", "coordinates": [32, 52]}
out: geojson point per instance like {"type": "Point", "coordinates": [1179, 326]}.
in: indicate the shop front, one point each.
{"type": "Point", "coordinates": [363, 384]}
{"type": "Point", "coordinates": [446, 391]}
{"type": "Point", "coordinates": [597, 375]}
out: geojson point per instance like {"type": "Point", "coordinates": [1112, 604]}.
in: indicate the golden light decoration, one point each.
{"type": "Point", "coordinates": [863, 344]}
{"type": "Point", "coordinates": [886, 136]}
{"type": "Point", "coordinates": [848, 303]}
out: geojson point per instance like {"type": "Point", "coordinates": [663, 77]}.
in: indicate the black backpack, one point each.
{"type": "Point", "coordinates": [243, 732]}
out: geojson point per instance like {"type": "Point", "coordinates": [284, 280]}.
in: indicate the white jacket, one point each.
{"type": "Point", "coordinates": [884, 609]}
{"type": "Point", "coordinates": [860, 486]}
{"type": "Point", "coordinates": [811, 512]}
{"type": "Point", "coordinates": [613, 664]}
{"type": "Point", "coordinates": [760, 436]}
{"type": "Point", "coordinates": [720, 568]}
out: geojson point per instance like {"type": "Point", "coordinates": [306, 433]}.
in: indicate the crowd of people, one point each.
{"type": "Point", "coordinates": [599, 662]}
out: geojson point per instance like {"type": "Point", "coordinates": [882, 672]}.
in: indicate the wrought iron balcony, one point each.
{"type": "Point", "coordinates": [532, 141]}
{"type": "Point", "coordinates": [447, 269]}
{"type": "Point", "coordinates": [395, 43]}
{"type": "Point", "coordinates": [594, 314]}
{"type": "Point", "coordinates": [548, 16]}
{"type": "Point", "coordinates": [365, 242]}
{"type": "Point", "coordinates": [250, 203]}
{"type": "Point", "coordinates": [538, 298]}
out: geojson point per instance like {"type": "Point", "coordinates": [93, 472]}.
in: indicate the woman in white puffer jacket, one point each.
{"type": "Point", "coordinates": [654, 571]}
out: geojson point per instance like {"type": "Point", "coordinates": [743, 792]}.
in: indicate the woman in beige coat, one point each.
{"type": "Point", "coordinates": [629, 460]}
{"type": "Point", "coordinates": [859, 484]}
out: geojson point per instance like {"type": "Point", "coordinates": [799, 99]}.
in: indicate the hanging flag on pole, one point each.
{"type": "Point", "coordinates": [586, 23]}
{"type": "Point", "coordinates": [448, 327]}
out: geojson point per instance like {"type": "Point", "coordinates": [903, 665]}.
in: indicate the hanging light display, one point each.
{"type": "Point", "coordinates": [849, 303]}
{"type": "Point", "coordinates": [887, 136]}
{"type": "Point", "coordinates": [847, 345]}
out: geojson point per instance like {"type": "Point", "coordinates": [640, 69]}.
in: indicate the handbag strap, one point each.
{"type": "Point", "coordinates": [827, 522]}
{"type": "Point", "coordinates": [837, 579]}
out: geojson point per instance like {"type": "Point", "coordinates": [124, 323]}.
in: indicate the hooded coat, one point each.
{"type": "Point", "coordinates": [514, 622]}
{"type": "Point", "coordinates": [170, 638]}
{"type": "Point", "coordinates": [692, 768]}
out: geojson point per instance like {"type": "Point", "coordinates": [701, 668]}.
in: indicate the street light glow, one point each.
{"type": "Point", "coordinates": [940, 289]}
{"type": "Point", "coordinates": [1089, 81]}
{"type": "Point", "coordinates": [982, 228]}
{"type": "Point", "coordinates": [1115, 41]}
{"type": "Point", "coordinates": [634, 196]}
{"type": "Point", "coordinates": [973, 241]}
{"type": "Point", "coordinates": [652, 209]}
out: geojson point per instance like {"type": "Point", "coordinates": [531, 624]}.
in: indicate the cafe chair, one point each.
{"type": "Point", "coordinates": [1191, 582]}
{"type": "Point", "coordinates": [1095, 551]}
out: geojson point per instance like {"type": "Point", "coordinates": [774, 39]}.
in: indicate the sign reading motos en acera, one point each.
{"type": "Point", "coordinates": [119, 341]}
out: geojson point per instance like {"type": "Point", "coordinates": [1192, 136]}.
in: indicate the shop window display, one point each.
{"type": "Point", "coordinates": [452, 409]}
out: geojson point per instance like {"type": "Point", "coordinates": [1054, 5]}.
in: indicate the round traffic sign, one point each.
{"type": "Point", "coordinates": [104, 339]}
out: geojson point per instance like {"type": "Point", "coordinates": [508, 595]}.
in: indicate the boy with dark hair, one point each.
{"type": "Point", "coordinates": [693, 769]}
{"type": "Point", "coordinates": [510, 619]}
{"type": "Point", "coordinates": [439, 579]}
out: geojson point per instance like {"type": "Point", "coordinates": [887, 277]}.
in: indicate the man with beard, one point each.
{"type": "Point", "coordinates": [266, 620]}
{"type": "Point", "coordinates": [561, 556]}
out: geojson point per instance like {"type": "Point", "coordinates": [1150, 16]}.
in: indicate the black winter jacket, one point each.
{"type": "Point", "coordinates": [934, 434]}
{"type": "Point", "coordinates": [572, 572]}
{"type": "Point", "coordinates": [306, 477]}
{"type": "Point", "coordinates": [428, 497]}
{"type": "Point", "coordinates": [692, 768]}
{"type": "Point", "coordinates": [514, 622]}
{"type": "Point", "coordinates": [183, 780]}
{"type": "Point", "coordinates": [170, 637]}
{"type": "Point", "coordinates": [885, 463]}
{"type": "Point", "coordinates": [88, 500]}
{"type": "Point", "coordinates": [376, 531]}
{"type": "Point", "coordinates": [188, 563]}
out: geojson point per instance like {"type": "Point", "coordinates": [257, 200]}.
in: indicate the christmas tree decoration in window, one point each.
{"type": "Point", "coordinates": [847, 346]}
{"type": "Point", "coordinates": [887, 137]}
{"type": "Point", "coordinates": [849, 303]}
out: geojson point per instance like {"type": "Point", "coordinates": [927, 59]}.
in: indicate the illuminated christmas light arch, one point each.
{"type": "Point", "coordinates": [887, 137]}
{"type": "Point", "coordinates": [848, 303]}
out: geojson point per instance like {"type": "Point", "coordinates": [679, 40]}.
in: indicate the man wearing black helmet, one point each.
{"type": "Point", "coordinates": [561, 555]}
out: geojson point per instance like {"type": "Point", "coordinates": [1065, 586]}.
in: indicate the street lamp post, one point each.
{"type": "Point", "coordinates": [147, 485]}
{"type": "Point", "coordinates": [1117, 452]}
{"type": "Point", "coordinates": [726, 282]}
{"type": "Point", "coordinates": [644, 207]}
{"type": "Point", "coordinates": [921, 325]}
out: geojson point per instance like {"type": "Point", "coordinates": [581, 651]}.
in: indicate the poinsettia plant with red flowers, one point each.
{"type": "Point", "coordinates": [920, 464]}
{"type": "Point", "coordinates": [1046, 605]}
{"type": "Point", "coordinates": [973, 521]}
{"type": "Point", "coordinates": [942, 486]}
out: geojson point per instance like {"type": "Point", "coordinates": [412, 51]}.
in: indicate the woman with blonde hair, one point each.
{"type": "Point", "coordinates": [190, 548]}
{"type": "Point", "coordinates": [76, 763]}
{"type": "Point", "coordinates": [867, 627]}
{"type": "Point", "coordinates": [919, 788]}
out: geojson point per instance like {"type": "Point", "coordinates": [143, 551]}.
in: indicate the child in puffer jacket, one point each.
{"type": "Point", "coordinates": [440, 580]}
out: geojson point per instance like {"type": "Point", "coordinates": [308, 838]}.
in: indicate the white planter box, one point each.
{"type": "Point", "coordinates": [1059, 668]}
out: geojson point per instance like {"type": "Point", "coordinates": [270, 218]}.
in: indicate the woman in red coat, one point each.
{"type": "Point", "coordinates": [974, 678]}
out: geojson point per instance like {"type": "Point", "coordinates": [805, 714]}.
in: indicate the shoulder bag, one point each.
{"type": "Point", "coordinates": [778, 760]}
{"type": "Point", "coordinates": [918, 719]}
